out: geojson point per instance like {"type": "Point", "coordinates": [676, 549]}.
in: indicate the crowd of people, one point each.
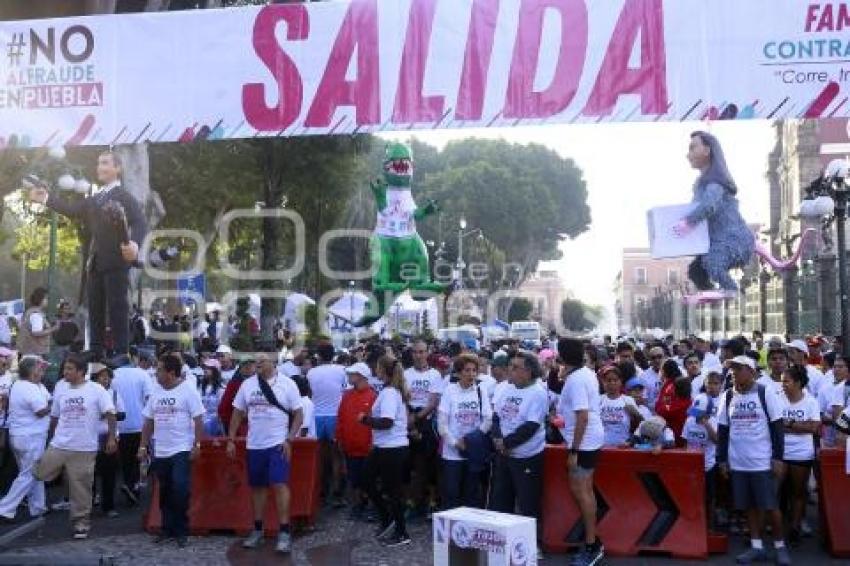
{"type": "Point", "coordinates": [406, 429]}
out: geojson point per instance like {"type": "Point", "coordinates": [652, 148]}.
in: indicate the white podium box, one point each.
{"type": "Point", "coordinates": [475, 537]}
{"type": "Point", "coordinates": [663, 243]}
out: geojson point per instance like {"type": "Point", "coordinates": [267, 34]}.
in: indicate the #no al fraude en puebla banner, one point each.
{"type": "Point", "coordinates": [380, 65]}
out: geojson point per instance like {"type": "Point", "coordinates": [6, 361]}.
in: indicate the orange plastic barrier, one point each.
{"type": "Point", "coordinates": [221, 496]}
{"type": "Point", "coordinates": [833, 490]}
{"type": "Point", "coordinates": [646, 503]}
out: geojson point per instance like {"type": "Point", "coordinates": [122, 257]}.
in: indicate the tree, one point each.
{"type": "Point", "coordinates": [579, 317]}
{"type": "Point", "coordinates": [520, 309]}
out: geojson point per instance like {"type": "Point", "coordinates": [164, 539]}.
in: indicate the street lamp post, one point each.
{"type": "Point", "coordinates": [830, 194]}
{"type": "Point", "coordinates": [460, 236]}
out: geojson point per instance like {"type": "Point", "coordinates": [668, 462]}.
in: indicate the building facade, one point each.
{"type": "Point", "coordinates": [546, 292]}
{"type": "Point", "coordinates": [643, 282]}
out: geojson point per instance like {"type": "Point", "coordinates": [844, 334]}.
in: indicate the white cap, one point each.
{"type": "Point", "coordinates": [223, 349]}
{"type": "Point", "coordinates": [360, 368]}
{"type": "Point", "coordinates": [799, 345]}
{"type": "Point", "coordinates": [743, 361]}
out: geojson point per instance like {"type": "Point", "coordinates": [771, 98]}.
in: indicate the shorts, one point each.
{"type": "Point", "coordinates": [800, 463]}
{"type": "Point", "coordinates": [754, 490]}
{"type": "Point", "coordinates": [326, 428]}
{"type": "Point", "coordinates": [586, 463]}
{"type": "Point", "coordinates": [267, 466]}
{"type": "Point", "coordinates": [354, 471]}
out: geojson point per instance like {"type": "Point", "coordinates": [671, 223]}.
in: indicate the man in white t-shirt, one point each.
{"type": "Point", "coordinates": [652, 375]}
{"type": "Point", "coordinates": [272, 403]}
{"type": "Point", "coordinates": [76, 414]}
{"type": "Point", "coordinates": [134, 386]}
{"type": "Point", "coordinates": [519, 438]}
{"type": "Point", "coordinates": [174, 420]}
{"type": "Point", "coordinates": [327, 382]}
{"type": "Point", "coordinates": [424, 385]}
{"type": "Point", "coordinates": [751, 444]}
{"type": "Point", "coordinates": [584, 436]}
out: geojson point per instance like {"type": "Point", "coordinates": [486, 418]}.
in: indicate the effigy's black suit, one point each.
{"type": "Point", "coordinates": [108, 275]}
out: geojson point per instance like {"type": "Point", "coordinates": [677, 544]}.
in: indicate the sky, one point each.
{"type": "Point", "coordinates": [630, 168]}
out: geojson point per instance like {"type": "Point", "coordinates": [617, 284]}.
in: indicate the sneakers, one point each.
{"type": "Point", "coordinates": [254, 540]}
{"type": "Point", "coordinates": [806, 528]}
{"type": "Point", "coordinates": [589, 556]}
{"type": "Point", "coordinates": [81, 532]}
{"type": "Point", "coordinates": [397, 540]}
{"type": "Point", "coordinates": [284, 543]}
{"type": "Point", "coordinates": [161, 538]}
{"type": "Point", "coordinates": [132, 496]}
{"type": "Point", "coordinates": [752, 555]}
{"type": "Point", "coordinates": [112, 513]}
{"type": "Point", "coordinates": [182, 542]}
{"type": "Point", "coordinates": [782, 557]}
{"type": "Point", "coordinates": [385, 530]}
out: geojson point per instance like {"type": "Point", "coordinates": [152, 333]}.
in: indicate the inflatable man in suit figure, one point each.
{"type": "Point", "coordinates": [117, 226]}
{"type": "Point", "coordinates": [399, 255]}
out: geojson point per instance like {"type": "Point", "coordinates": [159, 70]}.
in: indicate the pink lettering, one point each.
{"type": "Point", "coordinates": [289, 87]}
{"type": "Point", "coordinates": [617, 78]}
{"type": "Point", "coordinates": [359, 31]}
{"type": "Point", "coordinates": [811, 16]}
{"type": "Point", "coordinates": [410, 105]}
{"type": "Point", "coordinates": [522, 101]}
{"type": "Point", "coordinates": [826, 22]}
{"type": "Point", "coordinates": [476, 60]}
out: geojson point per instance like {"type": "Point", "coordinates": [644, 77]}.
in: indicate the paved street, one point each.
{"type": "Point", "coordinates": [335, 541]}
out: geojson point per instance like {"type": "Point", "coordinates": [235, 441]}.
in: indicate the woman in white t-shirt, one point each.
{"type": "Point", "coordinates": [619, 412]}
{"type": "Point", "coordinates": [28, 420]}
{"type": "Point", "coordinates": [211, 388]}
{"type": "Point", "coordinates": [463, 410]}
{"type": "Point", "coordinates": [388, 461]}
{"type": "Point", "coordinates": [800, 419]}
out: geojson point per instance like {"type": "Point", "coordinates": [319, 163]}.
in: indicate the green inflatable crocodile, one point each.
{"type": "Point", "coordinates": [399, 255]}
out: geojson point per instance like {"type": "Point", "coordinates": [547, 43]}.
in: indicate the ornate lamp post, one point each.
{"type": "Point", "coordinates": [828, 195]}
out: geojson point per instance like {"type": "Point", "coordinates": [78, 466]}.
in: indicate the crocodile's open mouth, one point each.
{"type": "Point", "coordinates": [400, 167]}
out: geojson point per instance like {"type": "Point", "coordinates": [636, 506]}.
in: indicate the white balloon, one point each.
{"type": "Point", "coordinates": [807, 209]}
{"type": "Point", "coordinates": [82, 186]}
{"type": "Point", "coordinates": [838, 169]}
{"type": "Point", "coordinates": [824, 205]}
{"type": "Point", "coordinates": [57, 152]}
{"type": "Point", "coordinates": [66, 182]}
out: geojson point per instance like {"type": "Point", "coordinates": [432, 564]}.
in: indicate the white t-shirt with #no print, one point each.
{"type": "Point", "coordinates": [697, 437]}
{"type": "Point", "coordinates": [464, 410]}
{"type": "Point", "coordinates": [268, 426]}
{"type": "Point", "coordinates": [25, 400]}
{"type": "Point", "coordinates": [390, 405]}
{"type": "Point", "coordinates": [581, 393]}
{"type": "Point", "coordinates": [616, 419]}
{"type": "Point", "coordinates": [79, 410]}
{"type": "Point", "coordinates": [517, 406]}
{"type": "Point", "coordinates": [750, 448]}
{"type": "Point", "coordinates": [173, 412]}
{"type": "Point", "coordinates": [800, 447]}
{"type": "Point", "coordinates": [421, 384]}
